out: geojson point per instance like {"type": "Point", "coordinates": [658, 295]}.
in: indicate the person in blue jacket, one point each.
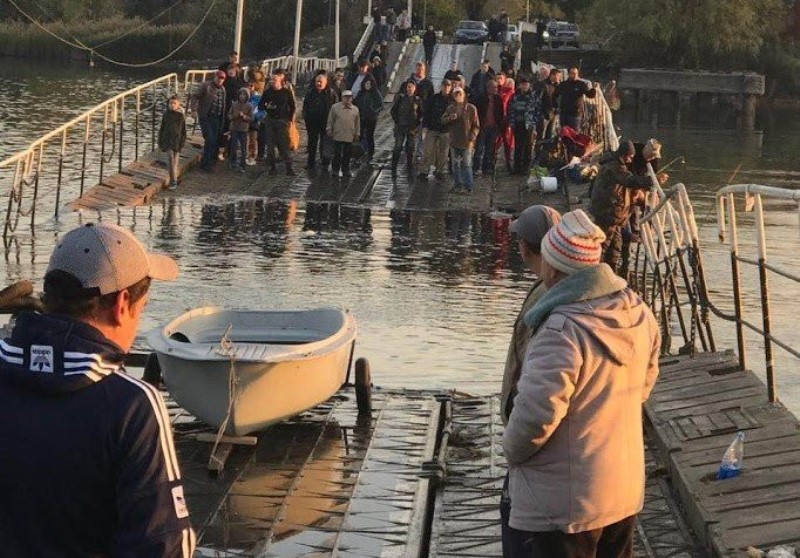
{"type": "Point", "coordinates": [89, 467]}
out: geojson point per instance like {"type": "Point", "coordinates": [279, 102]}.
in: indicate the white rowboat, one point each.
{"type": "Point", "coordinates": [254, 368]}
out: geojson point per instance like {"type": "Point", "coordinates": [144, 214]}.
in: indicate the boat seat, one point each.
{"type": "Point", "coordinates": [277, 336]}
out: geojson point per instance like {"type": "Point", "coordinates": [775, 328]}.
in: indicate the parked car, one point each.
{"type": "Point", "coordinates": [562, 34]}
{"type": "Point", "coordinates": [512, 34]}
{"type": "Point", "coordinates": [471, 32]}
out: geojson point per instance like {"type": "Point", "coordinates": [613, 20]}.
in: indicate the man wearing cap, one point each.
{"type": "Point", "coordinates": [462, 122]}
{"type": "Point", "coordinates": [611, 195]}
{"type": "Point", "coordinates": [530, 228]}
{"type": "Point", "coordinates": [437, 137]}
{"type": "Point", "coordinates": [574, 440]}
{"type": "Point", "coordinates": [344, 127]}
{"type": "Point", "coordinates": [207, 104]}
{"type": "Point", "coordinates": [89, 466]}
{"type": "Point", "coordinates": [524, 111]}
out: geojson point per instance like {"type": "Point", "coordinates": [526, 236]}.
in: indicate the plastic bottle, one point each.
{"type": "Point", "coordinates": [733, 459]}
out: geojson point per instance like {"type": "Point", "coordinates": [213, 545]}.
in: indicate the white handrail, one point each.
{"type": "Point", "coordinates": [108, 104]}
{"type": "Point", "coordinates": [366, 36]}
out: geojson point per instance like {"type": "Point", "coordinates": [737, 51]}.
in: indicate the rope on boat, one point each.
{"type": "Point", "coordinates": [228, 349]}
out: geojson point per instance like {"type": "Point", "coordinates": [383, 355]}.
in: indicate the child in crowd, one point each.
{"type": "Point", "coordinates": [255, 140]}
{"type": "Point", "coordinates": [172, 137]}
{"type": "Point", "coordinates": [240, 115]}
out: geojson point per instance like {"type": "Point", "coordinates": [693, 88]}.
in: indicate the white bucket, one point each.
{"type": "Point", "coordinates": [549, 184]}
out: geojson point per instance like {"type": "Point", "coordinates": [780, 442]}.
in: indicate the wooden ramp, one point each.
{"type": "Point", "coordinates": [138, 182]}
{"type": "Point", "coordinates": [697, 407]}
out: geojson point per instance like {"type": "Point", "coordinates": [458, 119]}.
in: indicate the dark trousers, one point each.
{"type": "Point", "coordinates": [484, 150]}
{"type": "Point", "coordinates": [316, 141]}
{"type": "Point", "coordinates": [612, 541]}
{"type": "Point", "coordinates": [573, 122]}
{"type": "Point", "coordinates": [429, 55]}
{"type": "Point", "coordinates": [237, 148]}
{"type": "Point", "coordinates": [523, 145]}
{"type": "Point", "coordinates": [612, 247]}
{"type": "Point", "coordinates": [403, 137]}
{"type": "Point", "coordinates": [277, 138]}
{"type": "Point", "coordinates": [368, 136]}
{"type": "Point", "coordinates": [341, 156]}
{"type": "Point", "coordinates": [210, 128]}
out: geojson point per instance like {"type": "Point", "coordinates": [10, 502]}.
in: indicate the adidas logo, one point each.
{"type": "Point", "coordinates": [41, 358]}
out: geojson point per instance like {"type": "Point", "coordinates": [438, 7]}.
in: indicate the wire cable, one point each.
{"type": "Point", "coordinates": [80, 46]}
{"type": "Point", "coordinates": [143, 24]}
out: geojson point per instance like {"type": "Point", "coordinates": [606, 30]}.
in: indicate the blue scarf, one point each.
{"type": "Point", "coordinates": [587, 284]}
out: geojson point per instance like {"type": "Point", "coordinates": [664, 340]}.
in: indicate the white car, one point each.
{"type": "Point", "coordinates": [512, 34]}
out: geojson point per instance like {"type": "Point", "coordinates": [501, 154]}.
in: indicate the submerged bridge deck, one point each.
{"type": "Point", "coordinates": [419, 477]}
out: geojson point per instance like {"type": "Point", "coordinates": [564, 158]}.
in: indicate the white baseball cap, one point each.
{"type": "Point", "coordinates": [109, 258]}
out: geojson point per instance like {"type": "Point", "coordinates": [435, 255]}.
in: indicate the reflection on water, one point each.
{"type": "Point", "coordinates": [435, 293]}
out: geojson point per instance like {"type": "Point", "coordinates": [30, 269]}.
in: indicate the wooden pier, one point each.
{"type": "Point", "coordinates": [697, 407]}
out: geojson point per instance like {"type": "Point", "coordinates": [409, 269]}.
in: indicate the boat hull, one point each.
{"type": "Point", "coordinates": [265, 390]}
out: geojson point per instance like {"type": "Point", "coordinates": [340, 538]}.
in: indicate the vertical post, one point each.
{"type": "Point", "coordinates": [296, 50]}
{"type": "Point", "coordinates": [237, 33]}
{"type": "Point", "coordinates": [103, 143]}
{"type": "Point", "coordinates": [737, 294]}
{"type": "Point", "coordinates": [60, 171]}
{"type": "Point", "coordinates": [369, 9]}
{"type": "Point", "coordinates": [136, 125]}
{"type": "Point", "coordinates": [527, 11]}
{"type": "Point", "coordinates": [85, 149]}
{"type": "Point", "coordinates": [153, 123]}
{"type": "Point", "coordinates": [411, 12]}
{"type": "Point", "coordinates": [363, 387]}
{"type": "Point", "coordinates": [336, 34]}
{"type": "Point", "coordinates": [761, 243]}
{"type": "Point", "coordinates": [120, 122]}
{"type": "Point", "coordinates": [36, 185]}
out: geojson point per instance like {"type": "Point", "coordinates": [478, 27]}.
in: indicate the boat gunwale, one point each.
{"type": "Point", "coordinates": [159, 341]}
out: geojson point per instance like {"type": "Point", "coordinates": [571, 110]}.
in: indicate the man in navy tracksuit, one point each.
{"type": "Point", "coordinates": [88, 466]}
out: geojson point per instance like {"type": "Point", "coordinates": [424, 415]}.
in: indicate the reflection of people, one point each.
{"type": "Point", "coordinates": [574, 440]}
{"type": "Point", "coordinates": [89, 466]}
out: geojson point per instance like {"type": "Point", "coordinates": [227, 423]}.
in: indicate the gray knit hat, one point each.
{"type": "Point", "coordinates": [108, 258]}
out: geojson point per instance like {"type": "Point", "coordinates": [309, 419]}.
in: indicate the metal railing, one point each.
{"type": "Point", "coordinates": [305, 67]}
{"type": "Point", "coordinates": [668, 268]}
{"type": "Point", "coordinates": [365, 42]}
{"type": "Point", "coordinates": [726, 207]}
{"type": "Point", "coordinates": [81, 151]}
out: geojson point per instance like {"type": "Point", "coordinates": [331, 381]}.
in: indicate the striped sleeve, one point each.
{"type": "Point", "coordinates": [152, 512]}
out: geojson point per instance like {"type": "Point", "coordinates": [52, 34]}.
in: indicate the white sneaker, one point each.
{"type": "Point", "coordinates": [221, 156]}
{"type": "Point", "coordinates": [250, 162]}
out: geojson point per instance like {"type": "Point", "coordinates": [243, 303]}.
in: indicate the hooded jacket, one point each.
{"type": "Point", "coordinates": [241, 114]}
{"type": "Point", "coordinates": [463, 124]}
{"type": "Point", "coordinates": [610, 203]}
{"type": "Point", "coordinates": [172, 133]}
{"type": "Point", "coordinates": [574, 440]}
{"type": "Point", "coordinates": [89, 467]}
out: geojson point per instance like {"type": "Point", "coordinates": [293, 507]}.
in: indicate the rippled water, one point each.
{"type": "Point", "coordinates": [434, 293]}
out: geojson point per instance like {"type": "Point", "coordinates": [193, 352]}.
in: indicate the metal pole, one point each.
{"type": "Point", "coordinates": [369, 9]}
{"type": "Point", "coordinates": [528, 11]}
{"type": "Point", "coordinates": [296, 50]}
{"type": "Point", "coordinates": [411, 11]}
{"type": "Point", "coordinates": [424, 15]}
{"type": "Point", "coordinates": [336, 34]}
{"type": "Point", "coordinates": [737, 294]}
{"type": "Point", "coordinates": [761, 241]}
{"type": "Point", "coordinates": [237, 34]}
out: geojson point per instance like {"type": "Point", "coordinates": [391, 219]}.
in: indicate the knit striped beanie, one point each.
{"type": "Point", "coordinates": [574, 243]}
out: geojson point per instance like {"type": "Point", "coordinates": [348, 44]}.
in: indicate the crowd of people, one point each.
{"type": "Point", "coordinates": [582, 359]}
